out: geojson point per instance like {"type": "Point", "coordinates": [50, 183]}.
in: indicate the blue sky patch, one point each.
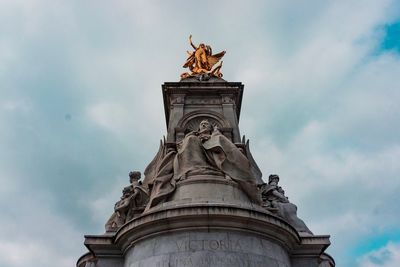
{"type": "Point", "coordinates": [376, 242]}
{"type": "Point", "coordinates": [391, 40]}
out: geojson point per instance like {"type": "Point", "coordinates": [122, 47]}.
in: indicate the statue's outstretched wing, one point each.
{"type": "Point", "coordinates": [255, 170]}
{"type": "Point", "coordinates": [189, 61]}
{"type": "Point", "coordinates": [151, 170]}
{"type": "Point", "coordinates": [213, 59]}
{"type": "Point", "coordinates": [208, 50]}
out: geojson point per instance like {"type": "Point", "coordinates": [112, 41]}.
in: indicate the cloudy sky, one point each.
{"type": "Point", "coordinates": [81, 106]}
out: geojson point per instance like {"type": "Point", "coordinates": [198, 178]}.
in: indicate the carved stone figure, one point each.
{"type": "Point", "coordinates": [202, 152]}
{"type": "Point", "coordinates": [274, 200]}
{"type": "Point", "coordinates": [132, 203]}
{"type": "Point", "coordinates": [201, 61]}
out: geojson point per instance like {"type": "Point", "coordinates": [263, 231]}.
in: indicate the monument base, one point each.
{"type": "Point", "coordinates": [204, 234]}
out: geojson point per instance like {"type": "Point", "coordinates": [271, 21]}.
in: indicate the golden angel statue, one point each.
{"type": "Point", "coordinates": [202, 61]}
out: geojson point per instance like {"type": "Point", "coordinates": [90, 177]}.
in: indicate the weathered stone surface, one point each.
{"type": "Point", "coordinates": [202, 248]}
{"type": "Point", "coordinates": [326, 260]}
{"type": "Point", "coordinates": [209, 189]}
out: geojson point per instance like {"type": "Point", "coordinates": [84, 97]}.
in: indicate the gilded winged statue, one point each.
{"type": "Point", "coordinates": [202, 61]}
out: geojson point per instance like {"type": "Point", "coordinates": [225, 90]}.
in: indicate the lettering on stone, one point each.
{"type": "Point", "coordinates": [225, 260]}
{"type": "Point", "coordinates": [182, 262]}
{"type": "Point", "coordinates": [177, 261]}
{"type": "Point", "coordinates": [206, 244]}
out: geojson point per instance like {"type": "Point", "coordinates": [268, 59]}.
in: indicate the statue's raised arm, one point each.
{"type": "Point", "coordinates": [191, 43]}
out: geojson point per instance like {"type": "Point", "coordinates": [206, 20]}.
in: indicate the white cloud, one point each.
{"type": "Point", "coordinates": [109, 115]}
{"type": "Point", "coordinates": [26, 252]}
{"type": "Point", "coordinates": [387, 256]}
{"type": "Point", "coordinates": [102, 206]}
{"type": "Point", "coordinates": [32, 232]}
{"type": "Point", "coordinates": [16, 105]}
{"type": "Point", "coordinates": [332, 131]}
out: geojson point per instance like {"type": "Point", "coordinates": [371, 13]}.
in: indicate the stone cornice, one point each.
{"type": "Point", "coordinates": [235, 89]}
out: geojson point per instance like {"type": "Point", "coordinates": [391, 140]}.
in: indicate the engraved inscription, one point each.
{"type": "Point", "coordinates": [205, 244]}
{"type": "Point", "coordinates": [234, 260]}
{"type": "Point", "coordinates": [225, 260]}
{"type": "Point", "coordinates": [177, 261]}
{"type": "Point", "coordinates": [219, 250]}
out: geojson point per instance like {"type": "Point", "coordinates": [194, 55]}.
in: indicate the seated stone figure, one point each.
{"type": "Point", "coordinates": [132, 203]}
{"type": "Point", "coordinates": [274, 200]}
{"type": "Point", "coordinates": [202, 152]}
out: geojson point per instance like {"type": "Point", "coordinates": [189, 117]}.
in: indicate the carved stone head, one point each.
{"type": "Point", "coordinates": [205, 125]}
{"type": "Point", "coordinates": [273, 178]}
{"type": "Point", "coordinates": [134, 176]}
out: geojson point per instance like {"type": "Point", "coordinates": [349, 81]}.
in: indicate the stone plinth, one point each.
{"type": "Point", "coordinates": [208, 189]}
{"type": "Point", "coordinates": [209, 222]}
{"type": "Point", "coordinates": [203, 248]}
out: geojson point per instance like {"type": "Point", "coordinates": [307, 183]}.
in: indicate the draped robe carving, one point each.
{"type": "Point", "coordinates": [203, 152]}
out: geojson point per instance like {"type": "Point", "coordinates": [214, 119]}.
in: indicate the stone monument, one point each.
{"type": "Point", "coordinates": [203, 201]}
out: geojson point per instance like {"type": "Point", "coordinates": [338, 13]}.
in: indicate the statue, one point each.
{"type": "Point", "coordinates": [201, 61]}
{"type": "Point", "coordinates": [274, 200]}
{"type": "Point", "coordinates": [202, 152]}
{"type": "Point", "coordinates": [132, 203]}
{"type": "Point", "coordinates": [272, 194]}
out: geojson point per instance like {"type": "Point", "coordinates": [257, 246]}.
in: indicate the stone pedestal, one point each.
{"type": "Point", "coordinates": [208, 189]}
{"type": "Point", "coordinates": [208, 222]}
{"type": "Point", "coordinates": [208, 247]}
